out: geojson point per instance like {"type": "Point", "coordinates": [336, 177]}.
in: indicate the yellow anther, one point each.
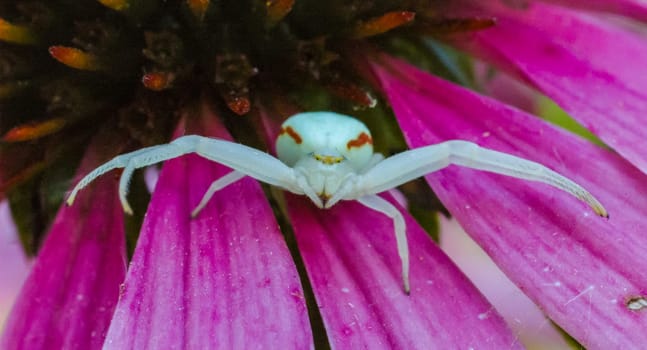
{"type": "Point", "coordinates": [17, 34]}
{"type": "Point", "coordinates": [75, 58]}
{"type": "Point", "coordinates": [118, 5]}
{"type": "Point", "coordinates": [198, 7]}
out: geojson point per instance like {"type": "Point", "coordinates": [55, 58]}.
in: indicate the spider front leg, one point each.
{"type": "Point", "coordinates": [406, 166]}
{"type": "Point", "coordinates": [245, 160]}
{"type": "Point", "coordinates": [217, 186]}
{"type": "Point", "coordinates": [130, 162]}
{"type": "Point", "coordinates": [380, 204]}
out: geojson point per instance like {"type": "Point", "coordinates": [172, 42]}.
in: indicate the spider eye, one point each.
{"type": "Point", "coordinates": [311, 134]}
{"type": "Point", "coordinates": [328, 160]}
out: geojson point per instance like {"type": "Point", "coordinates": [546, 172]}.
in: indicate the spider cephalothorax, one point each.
{"type": "Point", "coordinates": [329, 157]}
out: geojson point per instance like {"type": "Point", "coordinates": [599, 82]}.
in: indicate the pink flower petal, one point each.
{"type": "Point", "coordinates": [350, 254]}
{"type": "Point", "coordinates": [505, 88]}
{"type": "Point", "coordinates": [607, 47]}
{"type": "Point", "coordinates": [590, 69]}
{"type": "Point", "coordinates": [631, 8]}
{"type": "Point", "coordinates": [525, 318]}
{"type": "Point", "coordinates": [15, 267]}
{"type": "Point", "coordinates": [224, 280]}
{"type": "Point", "coordinates": [586, 272]}
{"type": "Point", "coordinates": [68, 299]}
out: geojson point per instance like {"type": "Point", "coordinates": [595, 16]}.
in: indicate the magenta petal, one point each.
{"type": "Point", "coordinates": [586, 272]}
{"type": "Point", "coordinates": [15, 266]}
{"type": "Point", "coordinates": [224, 280]}
{"type": "Point", "coordinates": [631, 8]}
{"type": "Point", "coordinates": [604, 46]}
{"type": "Point", "coordinates": [593, 71]}
{"type": "Point", "coordinates": [68, 299]}
{"type": "Point", "coordinates": [350, 254]}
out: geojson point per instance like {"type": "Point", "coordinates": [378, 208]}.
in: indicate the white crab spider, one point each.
{"type": "Point", "coordinates": [329, 157]}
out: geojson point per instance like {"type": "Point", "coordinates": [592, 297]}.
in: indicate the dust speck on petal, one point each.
{"type": "Point", "coordinates": [636, 303]}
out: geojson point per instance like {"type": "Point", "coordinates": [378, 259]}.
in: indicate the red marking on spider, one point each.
{"type": "Point", "coordinates": [293, 134]}
{"type": "Point", "coordinates": [360, 141]}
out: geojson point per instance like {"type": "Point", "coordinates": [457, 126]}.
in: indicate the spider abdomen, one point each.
{"type": "Point", "coordinates": [328, 137]}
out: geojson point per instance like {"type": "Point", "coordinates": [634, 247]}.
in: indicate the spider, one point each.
{"type": "Point", "coordinates": [329, 157]}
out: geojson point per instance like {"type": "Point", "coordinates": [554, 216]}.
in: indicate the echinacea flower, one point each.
{"type": "Point", "coordinates": [118, 75]}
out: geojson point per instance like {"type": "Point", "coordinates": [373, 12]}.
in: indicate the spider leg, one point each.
{"type": "Point", "coordinates": [375, 159]}
{"type": "Point", "coordinates": [245, 160]}
{"type": "Point", "coordinates": [380, 204]}
{"type": "Point", "coordinates": [217, 186]}
{"type": "Point", "coordinates": [347, 187]}
{"type": "Point", "coordinates": [153, 155]}
{"type": "Point", "coordinates": [305, 188]}
{"type": "Point", "coordinates": [120, 161]}
{"type": "Point", "coordinates": [406, 166]}
{"type": "Point", "coordinates": [349, 184]}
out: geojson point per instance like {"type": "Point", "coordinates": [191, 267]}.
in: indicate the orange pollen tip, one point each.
{"type": "Point", "coordinates": [16, 34]}
{"type": "Point", "coordinates": [293, 134]}
{"type": "Point", "coordinates": [353, 93]}
{"type": "Point", "coordinates": [74, 58]}
{"type": "Point", "coordinates": [382, 24]}
{"type": "Point", "coordinates": [198, 7]}
{"type": "Point", "coordinates": [239, 105]}
{"type": "Point", "coordinates": [34, 130]}
{"type": "Point", "coordinates": [360, 141]}
{"type": "Point", "coordinates": [117, 5]}
{"type": "Point", "coordinates": [277, 9]}
{"type": "Point", "coordinates": [156, 81]}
